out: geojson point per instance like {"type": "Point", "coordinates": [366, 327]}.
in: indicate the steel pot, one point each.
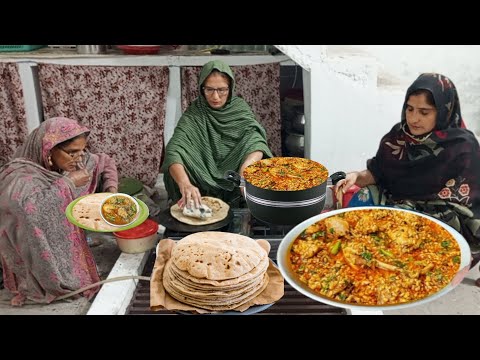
{"type": "Point", "coordinates": [92, 49]}
{"type": "Point", "coordinates": [298, 122]}
{"type": "Point", "coordinates": [281, 207]}
{"type": "Point", "coordinates": [295, 144]}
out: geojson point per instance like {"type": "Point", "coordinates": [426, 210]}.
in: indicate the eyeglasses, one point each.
{"type": "Point", "coordinates": [220, 91]}
{"type": "Point", "coordinates": [73, 154]}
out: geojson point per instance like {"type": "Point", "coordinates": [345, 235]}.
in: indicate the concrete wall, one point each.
{"type": "Point", "coordinates": [349, 115]}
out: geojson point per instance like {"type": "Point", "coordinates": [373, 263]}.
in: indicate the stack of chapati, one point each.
{"type": "Point", "coordinates": [216, 271]}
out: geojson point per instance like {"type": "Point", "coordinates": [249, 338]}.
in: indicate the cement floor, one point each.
{"type": "Point", "coordinates": [105, 255]}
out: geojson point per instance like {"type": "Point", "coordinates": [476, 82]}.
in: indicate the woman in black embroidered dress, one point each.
{"type": "Point", "coordinates": [429, 162]}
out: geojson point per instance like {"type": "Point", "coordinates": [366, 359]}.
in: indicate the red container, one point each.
{"type": "Point", "coordinates": [138, 239]}
{"type": "Point", "coordinates": [348, 195]}
{"type": "Point", "coordinates": [139, 49]}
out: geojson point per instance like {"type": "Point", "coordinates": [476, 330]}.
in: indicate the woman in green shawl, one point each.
{"type": "Point", "coordinates": [217, 132]}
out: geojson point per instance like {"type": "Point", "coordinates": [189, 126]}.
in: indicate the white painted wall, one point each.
{"type": "Point", "coordinates": [344, 130]}
{"type": "Point", "coordinates": [349, 113]}
{"type": "Point", "coordinates": [401, 64]}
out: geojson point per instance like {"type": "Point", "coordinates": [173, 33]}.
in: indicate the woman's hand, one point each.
{"type": "Point", "coordinates": [111, 189]}
{"type": "Point", "coordinates": [80, 177]}
{"type": "Point", "coordinates": [189, 192]}
{"type": "Point", "coordinates": [347, 183]}
{"type": "Point", "coordinates": [360, 178]}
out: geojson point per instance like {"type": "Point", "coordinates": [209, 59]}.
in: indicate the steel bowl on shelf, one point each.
{"type": "Point", "coordinates": [295, 144]}
{"type": "Point", "coordinates": [298, 121]}
{"type": "Point", "coordinates": [92, 49]}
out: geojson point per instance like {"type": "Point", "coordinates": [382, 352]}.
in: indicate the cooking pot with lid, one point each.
{"type": "Point", "coordinates": [281, 207]}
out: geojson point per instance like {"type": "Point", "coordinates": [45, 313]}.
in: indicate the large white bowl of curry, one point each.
{"type": "Point", "coordinates": [373, 258]}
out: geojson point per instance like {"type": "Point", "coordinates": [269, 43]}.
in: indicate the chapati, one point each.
{"type": "Point", "coordinates": [220, 304]}
{"type": "Point", "coordinates": [87, 212]}
{"type": "Point", "coordinates": [219, 212]}
{"type": "Point", "coordinates": [210, 292]}
{"type": "Point", "coordinates": [217, 255]}
{"type": "Point", "coordinates": [213, 295]}
{"type": "Point", "coordinates": [224, 284]}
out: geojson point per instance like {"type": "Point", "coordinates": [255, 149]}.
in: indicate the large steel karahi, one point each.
{"type": "Point", "coordinates": [373, 258]}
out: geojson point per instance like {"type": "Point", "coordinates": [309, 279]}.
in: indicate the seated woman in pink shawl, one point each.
{"type": "Point", "coordinates": [429, 162]}
{"type": "Point", "coordinates": [42, 254]}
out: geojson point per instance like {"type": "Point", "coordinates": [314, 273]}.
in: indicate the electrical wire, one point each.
{"type": "Point", "coordinates": [73, 293]}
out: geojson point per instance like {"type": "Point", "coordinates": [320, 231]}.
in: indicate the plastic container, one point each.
{"type": "Point", "coordinates": [139, 49]}
{"type": "Point", "coordinates": [138, 239]}
{"type": "Point", "coordinates": [8, 48]}
{"type": "Point", "coordinates": [347, 196]}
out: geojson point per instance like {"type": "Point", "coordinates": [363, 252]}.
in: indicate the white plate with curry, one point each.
{"type": "Point", "coordinates": [85, 213]}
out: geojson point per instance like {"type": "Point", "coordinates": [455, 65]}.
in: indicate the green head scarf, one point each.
{"type": "Point", "coordinates": [210, 141]}
{"type": "Point", "coordinates": [207, 70]}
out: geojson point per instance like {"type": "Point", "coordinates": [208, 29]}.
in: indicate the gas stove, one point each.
{"type": "Point", "coordinates": [244, 223]}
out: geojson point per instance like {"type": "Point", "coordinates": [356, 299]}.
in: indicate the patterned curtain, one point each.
{"type": "Point", "coordinates": [13, 121]}
{"type": "Point", "coordinates": [259, 85]}
{"type": "Point", "coordinates": [124, 107]}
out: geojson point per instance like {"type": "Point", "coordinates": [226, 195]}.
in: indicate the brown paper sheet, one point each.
{"type": "Point", "coordinates": [160, 299]}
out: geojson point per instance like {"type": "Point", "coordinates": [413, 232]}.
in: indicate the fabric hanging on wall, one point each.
{"type": "Point", "coordinates": [259, 85]}
{"type": "Point", "coordinates": [124, 106]}
{"type": "Point", "coordinates": [13, 121]}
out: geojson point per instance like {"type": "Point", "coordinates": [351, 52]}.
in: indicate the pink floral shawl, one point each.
{"type": "Point", "coordinates": [42, 254]}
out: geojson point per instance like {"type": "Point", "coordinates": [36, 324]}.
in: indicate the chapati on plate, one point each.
{"type": "Point", "coordinates": [219, 212]}
{"type": "Point", "coordinates": [87, 212]}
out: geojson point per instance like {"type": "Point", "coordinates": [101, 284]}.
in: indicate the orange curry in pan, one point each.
{"type": "Point", "coordinates": [375, 257]}
{"type": "Point", "coordinates": [285, 174]}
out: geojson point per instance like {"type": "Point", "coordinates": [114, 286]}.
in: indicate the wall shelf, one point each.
{"type": "Point", "coordinates": [175, 59]}
{"type": "Point", "coordinates": [117, 58]}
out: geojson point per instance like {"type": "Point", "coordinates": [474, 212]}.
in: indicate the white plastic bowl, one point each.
{"type": "Point", "coordinates": [135, 246]}
{"type": "Point", "coordinates": [138, 239]}
{"type": "Point", "coordinates": [123, 195]}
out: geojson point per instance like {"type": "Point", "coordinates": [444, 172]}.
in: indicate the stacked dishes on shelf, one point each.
{"type": "Point", "coordinates": [294, 133]}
